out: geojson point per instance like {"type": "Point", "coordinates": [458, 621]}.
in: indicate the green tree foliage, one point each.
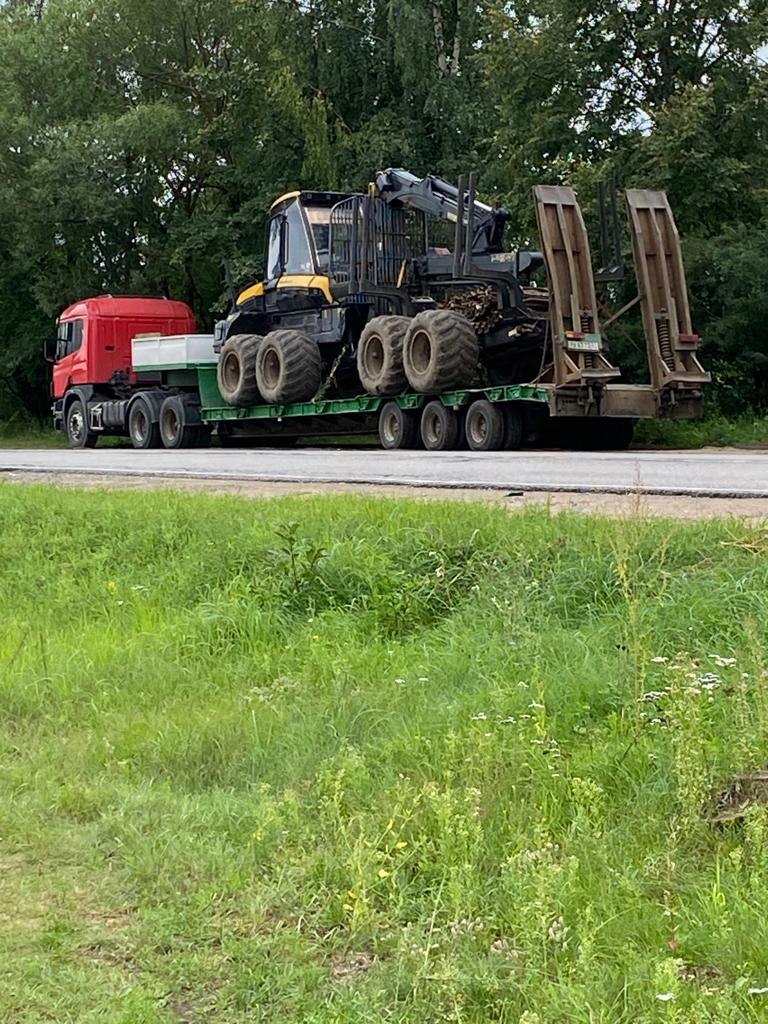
{"type": "Point", "coordinates": [141, 142]}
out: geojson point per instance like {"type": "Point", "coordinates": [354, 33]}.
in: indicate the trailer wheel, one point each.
{"type": "Point", "coordinates": [76, 427]}
{"type": "Point", "coordinates": [288, 367]}
{"type": "Point", "coordinates": [514, 427]}
{"type": "Point", "coordinates": [398, 428]}
{"type": "Point", "coordinates": [236, 370]}
{"type": "Point", "coordinates": [440, 352]}
{"type": "Point", "coordinates": [143, 431]}
{"type": "Point", "coordinates": [179, 423]}
{"type": "Point", "coordinates": [439, 427]}
{"type": "Point", "coordinates": [484, 426]}
{"type": "Point", "coordinates": [380, 355]}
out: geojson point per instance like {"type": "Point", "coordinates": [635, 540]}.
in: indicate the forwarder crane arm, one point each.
{"type": "Point", "coordinates": [438, 198]}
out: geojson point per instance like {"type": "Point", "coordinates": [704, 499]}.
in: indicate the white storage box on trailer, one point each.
{"type": "Point", "coordinates": [175, 352]}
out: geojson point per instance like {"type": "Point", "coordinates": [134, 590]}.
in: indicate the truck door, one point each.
{"type": "Point", "coordinates": [71, 363]}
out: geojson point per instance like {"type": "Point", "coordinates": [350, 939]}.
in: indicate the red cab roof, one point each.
{"type": "Point", "coordinates": [127, 306]}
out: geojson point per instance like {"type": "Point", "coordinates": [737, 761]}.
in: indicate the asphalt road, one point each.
{"type": "Point", "coordinates": [709, 473]}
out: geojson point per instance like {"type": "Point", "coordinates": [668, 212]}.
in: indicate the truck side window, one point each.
{"type": "Point", "coordinates": [77, 336]}
{"type": "Point", "coordinates": [70, 336]}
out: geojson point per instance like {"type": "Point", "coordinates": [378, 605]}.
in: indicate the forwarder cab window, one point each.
{"type": "Point", "coordinates": [298, 259]}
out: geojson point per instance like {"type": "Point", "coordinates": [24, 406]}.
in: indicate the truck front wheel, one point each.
{"type": "Point", "coordinates": [76, 427]}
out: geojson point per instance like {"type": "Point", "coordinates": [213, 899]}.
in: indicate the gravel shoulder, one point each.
{"type": "Point", "coordinates": [634, 504]}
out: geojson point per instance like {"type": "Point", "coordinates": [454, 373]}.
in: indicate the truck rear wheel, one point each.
{"type": "Point", "coordinates": [484, 426]}
{"type": "Point", "coordinates": [439, 427]}
{"type": "Point", "coordinates": [288, 367]}
{"type": "Point", "coordinates": [440, 352]}
{"type": "Point", "coordinates": [76, 427]}
{"type": "Point", "coordinates": [236, 370]}
{"type": "Point", "coordinates": [143, 430]}
{"type": "Point", "coordinates": [380, 355]}
{"type": "Point", "coordinates": [180, 425]}
{"type": "Point", "coordinates": [398, 428]}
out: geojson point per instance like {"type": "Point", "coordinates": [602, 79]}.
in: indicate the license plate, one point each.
{"type": "Point", "coordinates": [583, 344]}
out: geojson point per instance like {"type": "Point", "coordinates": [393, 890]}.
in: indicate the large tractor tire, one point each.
{"type": "Point", "coordinates": [440, 352]}
{"type": "Point", "coordinates": [288, 367]}
{"type": "Point", "coordinates": [76, 427]}
{"type": "Point", "coordinates": [236, 372]}
{"type": "Point", "coordinates": [380, 355]}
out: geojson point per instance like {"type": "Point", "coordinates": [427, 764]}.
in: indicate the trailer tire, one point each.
{"type": "Point", "coordinates": [179, 423]}
{"type": "Point", "coordinates": [288, 367]}
{"type": "Point", "coordinates": [514, 427]}
{"type": "Point", "coordinates": [380, 355]}
{"type": "Point", "coordinates": [143, 429]}
{"type": "Point", "coordinates": [439, 427]}
{"type": "Point", "coordinates": [440, 352]}
{"type": "Point", "coordinates": [484, 426]}
{"type": "Point", "coordinates": [236, 369]}
{"type": "Point", "coordinates": [398, 428]}
{"type": "Point", "coordinates": [76, 426]}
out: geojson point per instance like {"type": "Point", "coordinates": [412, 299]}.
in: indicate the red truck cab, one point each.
{"type": "Point", "coordinates": [94, 337]}
{"type": "Point", "coordinates": [93, 379]}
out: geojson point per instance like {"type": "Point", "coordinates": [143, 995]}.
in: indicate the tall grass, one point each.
{"type": "Point", "coordinates": [356, 760]}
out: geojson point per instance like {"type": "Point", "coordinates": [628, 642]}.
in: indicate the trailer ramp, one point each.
{"type": "Point", "coordinates": [577, 345]}
{"type": "Point", "coordinates": [670, 341]}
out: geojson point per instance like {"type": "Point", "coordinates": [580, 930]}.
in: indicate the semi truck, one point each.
{"type": "Point", "coordinates": [398, 310]}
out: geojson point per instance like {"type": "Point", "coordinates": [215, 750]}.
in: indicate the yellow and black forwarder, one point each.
{"type": "Point", "coordinates": [409, 287]}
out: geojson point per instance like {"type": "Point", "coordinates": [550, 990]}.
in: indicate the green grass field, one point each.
{"type": "Point", "coordinates": [330, 760]}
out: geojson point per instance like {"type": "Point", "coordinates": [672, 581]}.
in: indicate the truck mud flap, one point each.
{"type": "Point", "coordinates": [669, 338]}
{"type": "Point", "coordinates": [577, 345]}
